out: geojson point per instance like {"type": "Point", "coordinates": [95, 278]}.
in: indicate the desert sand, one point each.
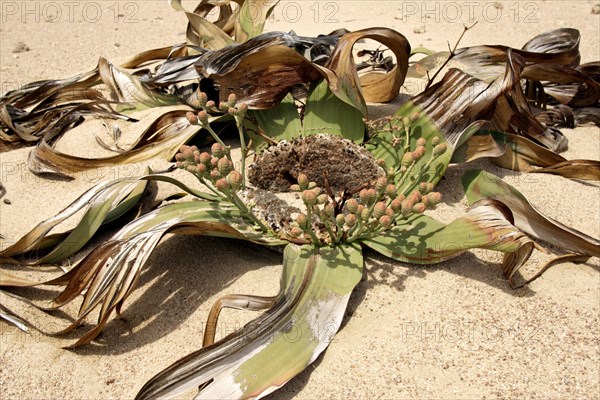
{"type": "Point", "coordinates": [451, 331]}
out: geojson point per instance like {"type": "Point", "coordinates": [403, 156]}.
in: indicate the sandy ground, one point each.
{"type": "Point", "coordinates": [452, 331]}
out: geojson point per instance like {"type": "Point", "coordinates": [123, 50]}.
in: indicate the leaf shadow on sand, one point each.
{"type": "Point", "coordinates": [175, 283]}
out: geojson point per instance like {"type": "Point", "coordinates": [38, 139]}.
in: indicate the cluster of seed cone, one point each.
{"type": "Point", "coordinates": [376, 208]}
{"type": "Point", "coordinates": [401, 130]}
{"type": "Point", "coordinates": [209, 107]}
{"type": "Point", "coordinates": [215, 168]}
{"type": "Point", "coordinates": [329, 218]}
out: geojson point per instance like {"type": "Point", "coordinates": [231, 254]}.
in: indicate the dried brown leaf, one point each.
{"type": "Point", "coordinates": [160, 133]}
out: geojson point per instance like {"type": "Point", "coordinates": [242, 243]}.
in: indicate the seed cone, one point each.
{"type": "Point", "coordinates": [329, 210]}
{"type": "Point", "coordinates": [419, 208]}
{"type": "Point", "coordinates": [205, 158]}
{"type": "Point", "coordinates": [309, 197]}
{"type": "Point", "coordinates": [302, 221]}
{"type": "Point", "coordinates": [231, 100]}
{"type": "Point", "coordinates": [350, 220]}
{"type": "Point", "coordinates": [365, 214]}
{"type": "Point", "coordinates": [225, 166]}
{"type": "Point", "coordinates": [235, 179]}
{"type": "Point", "coordinates": [191, 117]}
{"type": "Point", "coordinates": [435, 198]}
{"type": "Point", "coordinates": [352, 206]}
{"type": "Point", "coordinates": [391, 191]}
{"type": "Point", "coordinates": [217, 150]}
{"type": "Point", "coordinates": [385, 221]}
{"type": "Point", "coordinates": [203, 117]}
{"type": "Point", "coordinates": [303, 181]}
{"type": "Point", "coordinates": [222, 184]}
{"type": "Point", "coordinates": [296, 232]}
{"type": "Point", "coordinates": [379, 210]}
{"type": "Point", "coordinates": [381, 184]}
{"type": "Point", "coordinates": [440, 149]}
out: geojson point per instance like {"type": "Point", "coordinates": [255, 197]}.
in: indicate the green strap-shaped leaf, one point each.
{"type": "Point", "coordinates": [482, 185]}
{"type": "Point", "coordinates": [423, 240]}
{"type": "Point", "coordinates": [106, 202]}
{"type": "Point", "coordinates": [326, 113]}
{"type": "Point", "coordinates": [194, 192]}
{"type": "Point", "coordinates": [279, 344]}
{"type": "Point", "coordinates": [95, 216]}
{"type": "Point", "coordinates": [281, 122]}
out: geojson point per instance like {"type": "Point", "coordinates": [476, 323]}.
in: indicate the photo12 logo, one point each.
{"type": "Point", "coordinates": [68, 11]}
{"type": "Point", "coordinates": [469, 11]}
{"type": "Point", "coordinates": [467, 332]}
{"type": "Point", "coordinates": [290, 12]}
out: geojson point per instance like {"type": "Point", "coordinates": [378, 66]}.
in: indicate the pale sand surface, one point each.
{"type": "Point", "coordinates": [451, 331]}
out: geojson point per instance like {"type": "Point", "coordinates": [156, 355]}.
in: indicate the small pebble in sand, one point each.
{"type": "Point", "coordinates": [21, 48]}
{"type": "Point", "coordinates": [7, 202]}
{"type": "Point", "coordinates": [420, 29]}
{"type": "Point", "coordinates": [596, 8]}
